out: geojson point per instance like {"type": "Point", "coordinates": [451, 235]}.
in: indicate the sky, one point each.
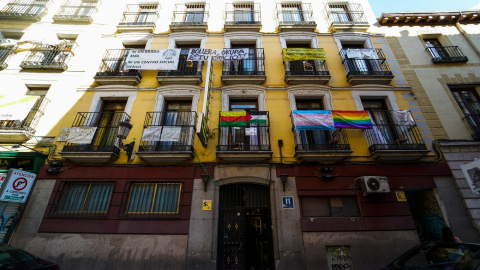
{"type": "Point", "coordinates": [380, 6]}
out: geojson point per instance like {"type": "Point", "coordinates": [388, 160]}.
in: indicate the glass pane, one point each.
{"type": "Point", "coordinates": [98, 197]}
{"type": "Point", "coordinates": [73, 198]}
{"type": "Point", "coordinates": [344, 207]}
{"type": "Point", "coordinates": [316, 207]}
{"type": "Point", "coordinates": [141, 198]}
{"type": "Point", "coordinates": [167, 198]}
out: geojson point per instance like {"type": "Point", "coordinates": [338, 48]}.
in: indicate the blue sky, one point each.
{"type": "Point", "coordinates": [380, 6]}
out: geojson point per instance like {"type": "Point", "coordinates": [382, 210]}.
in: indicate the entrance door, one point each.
{"type": "Point", "coordinates": [244, 228]}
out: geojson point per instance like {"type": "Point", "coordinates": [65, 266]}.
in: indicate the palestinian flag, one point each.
{"type": "Point", "coordinates": [234, 119]}
{"type": "Point", "coordinates": [258, 119]}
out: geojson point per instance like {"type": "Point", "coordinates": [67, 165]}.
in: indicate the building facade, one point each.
{"type": "Point", "coordinates": [184, 189]}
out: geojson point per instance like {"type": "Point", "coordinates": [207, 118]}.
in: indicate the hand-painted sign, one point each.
{"type": "Point", "coordinates": [287, 202]}
{"type": "Point", "coordinates": [217, 54]}
{"type": "Point", "coordinates": [16, 107]}
{"type": "Point", "coordinates": [81, 135]}
{"type": "Point", "coordinates": [17, 186]}
{"type": "Point", "coordinates": [153, 59]}
{"type": "Point", "coordinates": [299, 54]}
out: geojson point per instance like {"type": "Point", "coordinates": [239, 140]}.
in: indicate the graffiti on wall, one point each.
{"type": "Point", "coordinates": [339, 258]}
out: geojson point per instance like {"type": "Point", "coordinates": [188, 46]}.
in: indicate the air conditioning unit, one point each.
{"type": "Point", "coordinates": [375, 185]}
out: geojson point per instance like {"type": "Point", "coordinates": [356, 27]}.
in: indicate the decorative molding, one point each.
{"type": "Point", "coordinates": [365, 38]}
{"type": "Point", "coordinates": [115, 87]}
{"type": "Point", "coordinates": [310, 91]}
{"type": "Point", "coordinates": [177, 91]}
{"type": "Point", "coordinates": [99, 96]}
{"type": "Point", "coordinates": [284, 37]}
{"type": "Point", "coordinates": [243, 36]}
{"type": "Point", "coordinates": [389, 96]}
{"type": "Point", "coordinates": [259, 94]}
{"type": "Point", "coordinates": [187, 36]}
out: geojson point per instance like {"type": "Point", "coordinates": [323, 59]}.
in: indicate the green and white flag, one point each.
{"type": "Point", "coordinates": [258, 119]}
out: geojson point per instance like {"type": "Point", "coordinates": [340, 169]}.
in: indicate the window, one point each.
{"type": "Point", "coordinates": [435, 48]}
{"type": "Point", "coordinates": [195, 13]}
{"type": "Point", "coordinates": [467, 99]}
{"type": "Point", "coordinates": [89, 197]}
{"type": "Point", "coordinates": [243, 13]}
{"type": "Point", "coordinates": [154, 198]}
{"type": "Point", "coordinates": [383, 130]}
{"type": "Point", "coordinates": [292, 12]}
{"type": "Point", "coordinates": [340, 13]}
{"type": "Point", "coordinates": [334, 206]}
{"type": "Point", "coordinates": [145, 13]}
{"type": "Point", "coordinates": [311, 139]}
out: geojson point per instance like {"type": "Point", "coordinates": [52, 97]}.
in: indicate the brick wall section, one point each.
{"type": "Point", "coordinates": [428, 112]}
{"type": "Point", "coordinates": [456, 154]}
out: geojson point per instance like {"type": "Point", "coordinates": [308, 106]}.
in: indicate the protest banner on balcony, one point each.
{"type": "Point", "coordinates": [16, 107]}
{"type": "Point", "coordinates": [152, 59]}
{"type": "Point", "coordinates": [300, 54]}
{"type": "Point", "coordinates": [217, 54]}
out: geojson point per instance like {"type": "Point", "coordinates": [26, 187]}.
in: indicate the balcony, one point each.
{"type": "Point", "coordinates": [190, 17]}
{"type": "Point", "coordinates": [139, 18]}
{"type": "Point", "coordinates": [21, 129]}
{"type": "Point", "coordinates": [104, 145]}
{"type": "Point", "coordinates": [243, 17]}
{"type": "Point", "coordinates": [295, 17]}
{"type": "Point", "coordinates": [26, 10]}
{"type": "Point", "coordinates": [112, 69]}
{"type": "Point", "coordinates": [188, 72]}
{"type": "Point", "coordinates": [163, 148]}
{"type": "Point", "coordinates": [448, 54]}
{"type": "Point", "coordinates": [46, 56]}
{"type": "Point", "coordinates": [5, 53]}
{"type": "Point", "coordinates": [247, 71]}
{"type": "Point", "coordinates": [473, 122]}
{"type": "Point", "coordinates": [366, 66]}
{"type": "Point", "coordinates": [249, 143]}
{"type": "Point", "coordinates": [346, 17]}
{"type": "Point", "coordinates": [77, 11]}
{"type": "Point", "coordinates": [306, 72]}
{"type": "Point", "coordinates": [321, 145]}
{"type": "Point", "coordinates": [395, 142]}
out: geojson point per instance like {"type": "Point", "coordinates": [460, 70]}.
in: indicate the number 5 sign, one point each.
{"type": "Point", "coordinates": [17, 186]}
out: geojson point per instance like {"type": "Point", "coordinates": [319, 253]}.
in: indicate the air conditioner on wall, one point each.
{"type": "Point", "coordinates": [375, 185]}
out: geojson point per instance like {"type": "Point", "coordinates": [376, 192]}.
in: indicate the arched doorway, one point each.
{"type": "Point", "coordinates": [245, 228]}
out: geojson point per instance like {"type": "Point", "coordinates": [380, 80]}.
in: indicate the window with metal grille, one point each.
{"type": "Point", "coordinates": [86, 197]}
{"type": "Point", "coordinates": [154, 198]}
{"type": "Point", "coordinates": [334, 206]}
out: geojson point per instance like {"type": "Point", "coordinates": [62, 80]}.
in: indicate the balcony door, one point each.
{"type": "Point", "coordinates": [292, 12]}
{"type": "Point", "coordinates": [246, 66]}
{"type": "Point", "coordinates": [305, 67]}
{"type": "Point", "coordinates": [238, 137]}
{"type": "Point", "coordinates": [143, 13]}
{"type": "Point", "coordinates": [187, 67]}
{"type": "Point", "coordinates": [436, 49]}
{"type": "Point", "coordinates": [177, 114]}
{"type": "Point", "coordinates": [111, 114]}
{"type": "Point", "coordinates": [243, 14]}
{"type": "Point", "coordinates": [468, 100]}
{"type": "Point", "coordinates": [194, 14]}
{"type": "Point", "coordinates": [383, 131]}
{"type": "Point", "coordinates": [339, 13]}
{"type": "Point", "coordinates": [311, 139]}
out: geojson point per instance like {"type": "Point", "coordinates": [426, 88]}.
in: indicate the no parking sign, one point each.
{"type": "Point", "coordinates": [17, 186]}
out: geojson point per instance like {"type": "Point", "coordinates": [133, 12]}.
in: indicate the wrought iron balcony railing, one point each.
{"type": "Point", "coordinates": [24, 10]}
{"type": "Point", "coordinates": [253, 65]}
{"type": "Point", "coordinates": [29, 123]}
{"type": "Point", "coordinates": [365, 62]}
{"type": "Point", "coordinates": [251, 137]}
{"type": "Point", "coordinates": [321, 140]}
{"type": "Point", "coordinates": [113, 64]}
{"type": "Point", "coordinates": [180, 124]}
{"type": "Point", "coordinates": [77, 11]}
{"type": "Point", "coordinates": [392, 136]}
{"type": "Point", "coordinates": [307, 67]}
{"type": "Point", "coordinates": [346, 14]}
{"type": "Point", "coordinates": [295, 13]}
{"type": "Point", "coordinates": [185, 68]}
{"type": "Point", "coordinates": [47, 56]}
{"type": "Point", "coordinates": [448, 54]}
{"type": "Point", "coordinates": [190, 14]}
{"type": "Point", "coordinates": [105, 138]}
{"type": "Point", "coordinates": [5, 53]}
{"type": "Point", "coordinates": [473, 122]}
{"type": "Point", "coordinates": [140, 14]}
{"type": "Point", "coordinates": [242, 13]}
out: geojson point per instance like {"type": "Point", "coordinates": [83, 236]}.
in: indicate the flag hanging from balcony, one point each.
{"type": "Point", "coordinates": [313, 120]}
{"type": "Point", "coordinates": [352, 119]}
{"type": "Point", "coordinates": [258, 119]}
{"type": "Point", "coordinates": [234, 119]}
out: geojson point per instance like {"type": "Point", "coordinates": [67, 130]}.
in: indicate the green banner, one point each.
{"type": "Point", "coordinates": [299, 54]}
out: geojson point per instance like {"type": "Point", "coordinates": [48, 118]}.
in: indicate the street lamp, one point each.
{"type": "Point", "coordinates": [124, 128]}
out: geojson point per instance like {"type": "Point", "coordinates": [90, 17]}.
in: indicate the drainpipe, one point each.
{"type": "Point", "coordinates": [475, 47]}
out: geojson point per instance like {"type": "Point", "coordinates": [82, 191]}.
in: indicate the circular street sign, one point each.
{"type": "Point", "coordinates": [19, 184]}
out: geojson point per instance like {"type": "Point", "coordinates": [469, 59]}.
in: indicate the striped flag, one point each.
{"type": "Point", "coordinates": [352, 119]}
{"type": "Point", "coordinates": [313, 120]}
{"type": "Point", "coordinates": [258, 119]}
{"type": "Point", "coordinates": [234, 119]}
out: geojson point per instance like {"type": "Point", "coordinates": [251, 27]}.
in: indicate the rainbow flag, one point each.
{"type": "Point", "coordinates": [312, 120]}
{"type": "Point", "coordinates": [234, 119]}
{"type": "Point", "coordinates": [352, 119]}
